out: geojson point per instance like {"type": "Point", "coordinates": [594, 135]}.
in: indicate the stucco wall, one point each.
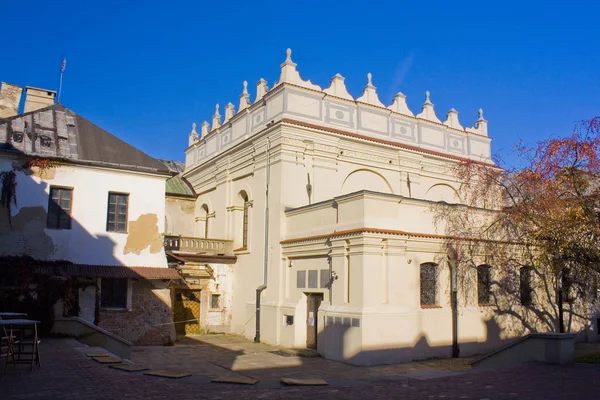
{"type": "Point", "coordinates": [87, 241]}
{"type": "Point", "coordinates": [180, 217]}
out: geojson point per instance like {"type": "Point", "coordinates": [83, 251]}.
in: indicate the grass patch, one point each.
{"type": "Point", "coordinates": [590, 358]}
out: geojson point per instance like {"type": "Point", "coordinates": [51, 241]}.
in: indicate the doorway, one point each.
{"type": "Point", "coordinates": [313, 302]}
{"type": "Point", "coordinates": [186, 313]}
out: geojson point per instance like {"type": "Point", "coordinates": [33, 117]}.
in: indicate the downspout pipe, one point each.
{"type": "Point", "coordinates": [262, 287]}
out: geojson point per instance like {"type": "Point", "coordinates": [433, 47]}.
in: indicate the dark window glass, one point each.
{"type": "Point", "coordinates": [116, 220]}
{"type": "Point", "coordinates": [525, 286]}
{"type": "Point", "coordinates": [59, 208]}
{"type": "Point", "coordinates": [484, 285]}
{"type": "Point", "coordinates": [428, 284]}
{"type": "Point", "coordinates": [113, 293]}
{"type": "Point", "coordinates": [215, 301]}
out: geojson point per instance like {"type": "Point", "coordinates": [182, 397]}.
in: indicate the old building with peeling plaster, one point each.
{"type": "Point", "coordinates": [98, 204]}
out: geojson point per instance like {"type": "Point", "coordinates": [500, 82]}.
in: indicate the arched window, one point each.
{"type": "Point", "coordinates": [205, 215]}
{"type": "Point", "coordinates": [429, 275]}
{"type": "Point", "coordinates": [246, 202]}
{"type": "Point", "coordinates": [484, 285]}
{"type": "Point", "coordinates": [525, 291]}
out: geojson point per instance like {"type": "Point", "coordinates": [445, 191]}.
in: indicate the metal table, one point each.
{"type": "Point", "coordinates": [11, 315]}
{"type": "Point", "coordinates": [22, 341]}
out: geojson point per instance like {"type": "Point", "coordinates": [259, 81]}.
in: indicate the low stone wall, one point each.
{"type": "Point", "coordinates": [149, 320]}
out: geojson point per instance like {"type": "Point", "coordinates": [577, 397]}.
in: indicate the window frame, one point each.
{"type": "Point", "coordinates": [116, 223]}
{"type": "Point", "coordinates": [128, 295]}
{"type": "Point", "coordinates": [212, 298]}
{"type": "Point", "coordinates": [488, 286]}
{"type": "Point", "coordinates": [434, 273]}
{"type": "Point", "coordinates": [60, 207]}
{"type": "Point", "coordinates": [525, 287]}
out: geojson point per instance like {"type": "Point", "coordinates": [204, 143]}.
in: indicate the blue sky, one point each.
{"type": "Point", "coordinates": [146, 70]}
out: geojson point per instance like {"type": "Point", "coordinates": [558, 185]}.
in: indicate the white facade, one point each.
{"type": "Point", "coordinates": [351, 186]}
{"type": "Point", "coordinates": [87, 242]}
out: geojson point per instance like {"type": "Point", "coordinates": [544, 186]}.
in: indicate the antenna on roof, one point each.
{"type": "Point", "coordinates": [63, 65]}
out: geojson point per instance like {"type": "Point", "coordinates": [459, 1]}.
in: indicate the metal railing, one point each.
{"type": "Point", "coordinates": [200, 245]}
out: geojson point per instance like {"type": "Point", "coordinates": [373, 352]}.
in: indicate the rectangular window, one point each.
{"type": "Point", "coordinates": [525, 286]}
{"type": "Point", "coordinates": [312, 279]}
{"type": "Point", "coordinates": [116, 220]}
{"type": "Point", "coordinates": [113, 293]}
{"type": "Point", "coordinates": [215, 301]}
{"type": "Point", "coordinates": [484, 285]}
{"type": "Point", "coordinates": [59, 208]}
{"type": "Point", "coordinates": [300, 279]}
{"type": "Point", "coordinates": [325, 277]}
{"type": "Point", "coordinates": [428, 284]}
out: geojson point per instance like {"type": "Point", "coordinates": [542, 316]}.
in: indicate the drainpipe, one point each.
{"type": "Point", "coordinates": [452, 262]}
{"type": "Point", "coordinates": [266, 239]}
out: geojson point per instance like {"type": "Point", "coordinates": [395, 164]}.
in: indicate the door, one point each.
{"type": "Point", "coordinates": [186, 315]}
{"type": "Point", "coordinates": [313, 302]}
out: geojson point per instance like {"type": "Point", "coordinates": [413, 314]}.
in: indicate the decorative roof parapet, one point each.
{"type": "Point", "coordinates": [338, 88]}
{"type": "Point", "coordinates": [399, 105]}
{"type": "Point", "coordinates": [229, 112]}
{"type": "Point", "coordinates": [289, 74]}
{"type": "Point", "coordinates": [452, 120]}
{"type": "Point", "coordinates": [427, 112]}
{"type": "Point", "coordinates": [369, 95]}
{"type": "Point", "coordinates": [193, 137]}
{"type": "Point", "coordinates": [244, 98]}
{"type": "Point", "coordinates": [216, 120]}
{"type": "Point", "coordinates": [261, 89]}
{"type": "Point", "coordinates": [480, 127]}
{"type": "Point", "coordinates": [204, 130]}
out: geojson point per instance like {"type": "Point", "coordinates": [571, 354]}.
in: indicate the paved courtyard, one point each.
{"type": "Point", "coordinates": [67, 373]}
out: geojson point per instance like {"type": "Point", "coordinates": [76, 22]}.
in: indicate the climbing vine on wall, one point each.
{"type": "Point", "coordinates": [8, 193]}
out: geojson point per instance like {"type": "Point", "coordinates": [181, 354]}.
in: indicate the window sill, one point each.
{"type": "Point", "coordinates": [241, 250]}
{"type": "Point", "coordinates": [486, 305]}
{"type": "Point", "coordinates": [122, 233]}
{"type": "Point", "coordinates": [425, 307]}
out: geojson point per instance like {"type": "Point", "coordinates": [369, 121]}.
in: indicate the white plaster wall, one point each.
{"type": "Point", "coordinates": [87, 241]}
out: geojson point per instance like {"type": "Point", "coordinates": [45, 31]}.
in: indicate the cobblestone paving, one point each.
{"type": "Point", "coordinates": [67, 374]}
{"type": "Point", "coordinates": [219, 354]}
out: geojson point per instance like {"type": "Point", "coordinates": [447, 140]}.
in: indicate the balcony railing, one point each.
{"type": "Point", "coordinates": [199, 245]}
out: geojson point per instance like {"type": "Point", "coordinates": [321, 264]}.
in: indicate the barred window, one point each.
{"type": "Point", "coordinates": [429, 284]}
{"type": "Point", "coordinates": [59, 208]}
{"type": "Point", "coordinates": [113, 293]}
{"type": "Point", "coordinates": [116, 220]}
{"type": "Point", "coordinates": [526, 293]}
{"type": "Point", "coordinates": [484, 285]}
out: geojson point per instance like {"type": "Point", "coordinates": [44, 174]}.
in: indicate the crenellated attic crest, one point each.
{"type": "Point", "coordinates": [335, 106]}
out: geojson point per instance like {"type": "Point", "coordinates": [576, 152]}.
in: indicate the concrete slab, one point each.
{"type": "Point", "coordinates": [107, 360]}
{"type": "Point", "coordinates": [303, 382]}
{"type": "Point", "coordinates": [168, 374]}
{"type": "Point", "coordinates": [239, 380]}
{"type": "Point", "coordinates": [98, 354]}
{"type": "Point", "coordinates": [128, 367]}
